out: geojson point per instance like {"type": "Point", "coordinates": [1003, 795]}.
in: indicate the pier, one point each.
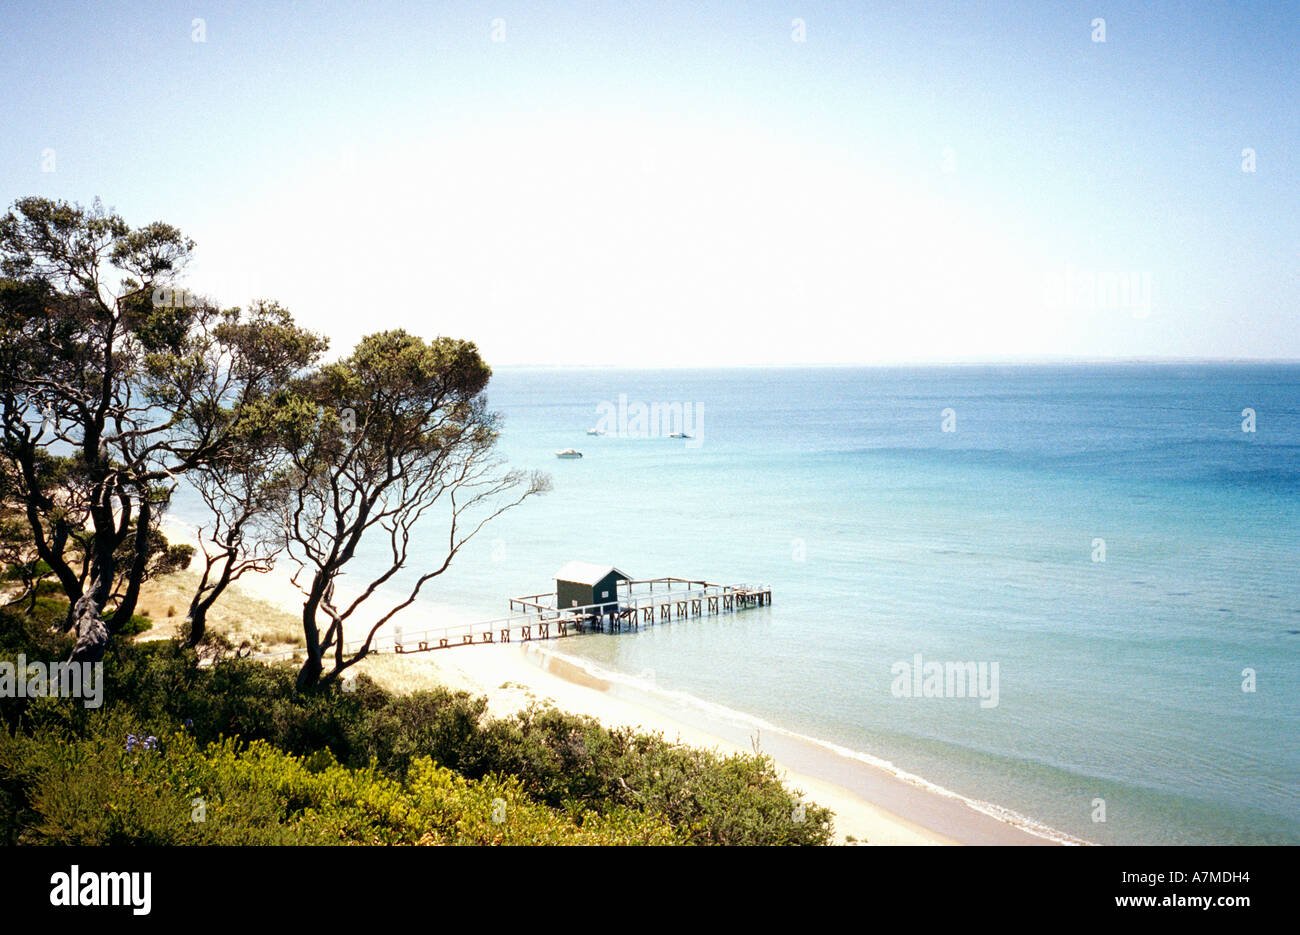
{"type": "Point", "coordinates": [630, 606]}
{"type": "Point", "coordinates": [639, 603]}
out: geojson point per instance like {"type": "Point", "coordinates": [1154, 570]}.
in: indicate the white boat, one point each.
{"type": "Point", "coordinates": [568, 453]}
{"type": "Point", "coordinates": [680, 435]}
{"type": "Point", "coordinates": [595, 432]}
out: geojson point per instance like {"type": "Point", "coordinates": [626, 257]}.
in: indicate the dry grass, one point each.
{"type": "Point", "coordinates": [412, 673]}
{"type": "Point", "coordinates": [235, 616]}
{"type": "Point", "coordinates": [265, 627]}
{"type": "Point", "coordinates": [399, 674]}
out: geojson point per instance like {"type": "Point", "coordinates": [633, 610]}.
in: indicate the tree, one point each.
{"type": "Point", "coordinates": [114, 383]}
{"type": "Point", "coordinates": [235, 539]}
{"type": "Point", "coordinates": [22, 563]}
{"type": "Point", "coordinates": [401, 433]}
{"type": "Point", "coordinates": [242, 491]}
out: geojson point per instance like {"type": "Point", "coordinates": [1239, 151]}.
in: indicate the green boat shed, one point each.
{"type": "Point", "coordinates": [581, 584]}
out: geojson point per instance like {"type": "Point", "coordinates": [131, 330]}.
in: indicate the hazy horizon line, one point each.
{"type": "Point", "coordinates": [989, 362]}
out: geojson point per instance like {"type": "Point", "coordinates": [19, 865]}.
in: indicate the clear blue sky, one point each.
{"type": "Point", "coordinates": [690, 182]}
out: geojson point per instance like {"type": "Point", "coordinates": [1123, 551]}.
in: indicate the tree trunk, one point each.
{"type": "Point", "coordinates": [206, 594]}
{"type": "Point", "coordinates": [196, 620]}
{"type": "Point", "coordinates": [126, 607]}
{"type": "Point", "coordinates": [196, 625]}
{"type": "Point", "coordinates": [309, 674]}
{"type": "Point", "coordinates": [92, 632]}
{"type": "Point", "coordinates": [87, 613]}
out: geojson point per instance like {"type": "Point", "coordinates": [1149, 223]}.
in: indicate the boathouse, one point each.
{"type": "Point", "coordinates": [580, 584]}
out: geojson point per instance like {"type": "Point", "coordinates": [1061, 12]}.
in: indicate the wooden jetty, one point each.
{"type": "Point", "coordinates": [639, 603]}
{"type": "Point", "coordinates": [630, 606]}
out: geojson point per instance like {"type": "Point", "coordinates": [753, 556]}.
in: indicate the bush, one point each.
{"type": "Point", "coordinates": [32, 632]}
{"type": "Point", "coordinates": [136, 625]}
{"type": "Point", "coordinates": [103, 791]}
{"type": "Point", "coordinates": [569, 765]}
{"type": "Point", "coordinates": [34, 628]}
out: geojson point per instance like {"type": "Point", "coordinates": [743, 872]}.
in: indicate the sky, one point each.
{"type": "Point", "coordinates": [698, 183]}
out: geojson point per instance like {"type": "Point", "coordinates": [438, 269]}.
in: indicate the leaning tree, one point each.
{"type": "Point", "coordinates": [114, 384]}
{"type": "Point", "coordinates": [401, 435]}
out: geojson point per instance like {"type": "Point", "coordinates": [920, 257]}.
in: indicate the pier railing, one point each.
{"type": "Point", "coordinates": [541, 622]}
{"type": "Point", "coordinates": [545, 600]}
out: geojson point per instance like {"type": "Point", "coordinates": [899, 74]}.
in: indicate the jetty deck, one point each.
{"type": "Point", "coordinates": [640, 603]}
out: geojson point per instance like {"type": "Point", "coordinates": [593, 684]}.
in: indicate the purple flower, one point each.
{"type": "Point", "coordinates": [147, 743]}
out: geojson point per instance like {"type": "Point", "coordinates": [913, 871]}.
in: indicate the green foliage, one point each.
{"type": "Point", "coordinates": [91, 309]}
{"type": "Point", "coordinates": [33, 627]}
{"type": "Point", "coordinates": [234, 400]}
{"type": "Point", "coordinates": [138, 623]}
{"type": "Point", "coordinates": [101, 791]}
{"type": "Point", "coordinates": [572, 761]}
{"type": "Point", "coordinates": [402, 431]}
{"type": "Point", "coordinates": [596, 778]}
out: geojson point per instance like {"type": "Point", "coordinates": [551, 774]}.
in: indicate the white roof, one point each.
{"type": "Point", "coordinates": [587, 572]}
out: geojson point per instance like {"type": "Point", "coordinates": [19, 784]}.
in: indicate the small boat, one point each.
{"type": "Point", "coordinates": [568, 453]}
{"type": "Point", "coordinates": [680, 435]}
{"type": "Point", "coordinates": [595, 431]}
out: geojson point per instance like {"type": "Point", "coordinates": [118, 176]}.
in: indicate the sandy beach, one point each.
{"type": "Point", "coordinates": [892, 810]}
{"type": "Point", "coordinates": [872, 804]}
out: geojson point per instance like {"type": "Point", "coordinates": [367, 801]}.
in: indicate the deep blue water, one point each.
{"type": "Point", "coordinates": [884, 536]}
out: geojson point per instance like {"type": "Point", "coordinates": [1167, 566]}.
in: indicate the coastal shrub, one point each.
{"type": "Point", "coordinates": [443, 724]}
{"type": "Point", "coordinates": [98, 791]}
{"type": "Point", "coordinates": [737, 799]}
{"type": "Point", "coordinates": [33, 628]}
{"type": "Point", "coordinates": [161, 685]}
{"type": "Point", "coordinates": [138, 623]}
{"type": "Point", "coordinates": [119, 787]}
{"type": "Point", "coordinates": [567, 763]}
{"type": "Point", "coordinates": [572, 761]}
{"type": "Point", "coordinates": [32, 632]}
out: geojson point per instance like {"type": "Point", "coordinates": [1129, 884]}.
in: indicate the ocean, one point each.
{"type": "Point", "coordinates": [1118, 543]}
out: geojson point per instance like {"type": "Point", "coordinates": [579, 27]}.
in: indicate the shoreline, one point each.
{"type": "Point", "coordinates": [873, 802]}
{"type": "Point", "coordinates": [870, 801]}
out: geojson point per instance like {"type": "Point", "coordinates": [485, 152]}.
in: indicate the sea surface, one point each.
{"type": "Point", "coordinates": [1109, 535]}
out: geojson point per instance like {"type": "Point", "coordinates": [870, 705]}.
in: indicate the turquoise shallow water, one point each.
{"type": "Point", "coordinates": [883, 536]}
